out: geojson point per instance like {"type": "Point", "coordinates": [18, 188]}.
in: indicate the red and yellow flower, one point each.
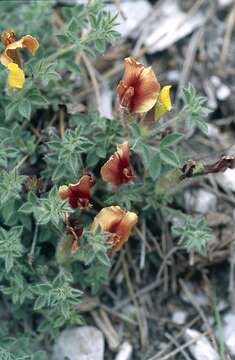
{"type": "Point", "coordinates": [139, 88]}
{"type": "Point", "coordinates": [11, 56]}
{"type": "Point", "coordinates": [139, 91]}
{"type": "Point", "coordinates": [118, 170]}
{"type": "Point", "coordinates": [116, 221]}
{"type": "Point", "coordinates": [78, 194]}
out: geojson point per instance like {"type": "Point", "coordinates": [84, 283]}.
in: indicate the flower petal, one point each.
{"type": "Point", "coordinates": [64, 192]}
{"type": "Point", "coordinates": [16, 76]}
{"type": "Point", "coordinates": [30, 43]}
{"type": "Point", "coordinates": [108, 219]}
{"type": "Point", "coordinates": [10, 53]}
{"type": "Point", "coordinates": [78, 194]}
{"type": "Point", "coordinates": [133, 69]}
{"type": "Point", "coordinates": [125, 228]}
{"type": "Point", "coordinates": [117, 221]}
{"type": "Point", "coordinates": [163, 104]}
{"type": "Point", "coordinates": [118, 170]}
{"type": "Point", "coordinates": [83, 186]}
{"type": "Point", "coordinates": [146, 91]}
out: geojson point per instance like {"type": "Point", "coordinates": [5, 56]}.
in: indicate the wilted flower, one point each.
{"type": "Point", "coordinates": [74, 229]}
{"type": "Point", "coordinates": [118, 170]}
{"type": "Point", "coordinates": [11, 56]}
{"type": "Point", "coordinates": [78, 194]}
{"type": "Point", "coordinates": [117, 221]}
{"type": "Point", "coordinates": [139, 89]}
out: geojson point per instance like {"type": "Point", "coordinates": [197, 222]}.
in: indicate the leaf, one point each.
{"type": "Point", "coordinates": [11, 110]}
{"type": "Point", "coordinates": [171, 139]}
{"type": "Point", "coordinates": [40, 303]}
{"type": "Point", "coordinates": [103, 258]}
{"type": "Point", "coordinates": [24, 108]}
{"type": "Point", "coordinates": [169, 157]}
{"type": "Point", "coordinates": [155, 166]}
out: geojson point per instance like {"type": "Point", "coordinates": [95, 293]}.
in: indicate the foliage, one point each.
{"type": "Point", "coordinates": [40, 287]}
{"type": "Point", "coordinates": [193, 235]}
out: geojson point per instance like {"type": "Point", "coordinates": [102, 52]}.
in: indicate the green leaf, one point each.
{"type": "Point", "coordinates": [155, 166]}
{"type": "Point", "coordinates": [40, 303]}
{"type": "Point", "coordinates": [171, 139]}
{"type": "Point", "coordinates": [170, 157]}
{"type": "Point", "coordinates": [24, 108]}
{"type": "Point", "coordinates": [103, 258]}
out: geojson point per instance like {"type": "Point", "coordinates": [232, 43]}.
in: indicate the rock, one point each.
{"type": "Point", "coordinates": [125, 351]}
{"type": "Point", "coordinates": [229, 332]}
{"type": "Point", "coordinates": [105, 106]}
{"type": "Point", "coordinates": [225, 3]}
{"type": "Point", "coordinates": [202, 348]}
{"type": "Point", "coordinates": [130, 15]}
{"type": "Point", "coordinates": [223, 92]}
{"type": "Point", "coordinates": [215, 219]}
{"type": "Point", "coordinates": [213, 132]}
{"type": "Point", "coordinates": [199, 295]}
{"type": "Point", "coordinates": [179, 317]}
{"type": "Point", "coordinates": [171, 25]}
{"type": "Point", "coordinates": [200, 201]}
{"type": "Point", "coordinates": [227, 179]}
{"type": "Point", "coordinates": [81, 343]}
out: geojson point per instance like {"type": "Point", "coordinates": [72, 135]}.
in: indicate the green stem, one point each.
{"type": "Point", "coordinates": [61, 52]}
{"type": "Point", "coordinates": [178, 118]}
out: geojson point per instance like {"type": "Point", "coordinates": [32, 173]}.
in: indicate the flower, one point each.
{"type": "Point", "coordinates": [117, 221]}
{"type": "Point", "coordinates": [78, 194]}
{"type": "Point", "coordinates": [16, 76]}
{"type": "Point", "coordinates": [11, 57]}
{"type": "Point", "coordinates": [163, 103]}
{"type": "Point", "coordinates": [139, 89]}
{"type": "Point", "coordinates": [118, 170]}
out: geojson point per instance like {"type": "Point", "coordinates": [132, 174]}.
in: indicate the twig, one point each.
{"type": "Point", "coordinates": [102, 321]}
{"type": "Point", "coordinates": [227, 36]}
{"type": "Point", "coordinates": [133, 298]}
{"type": "Point", "coordinates": [164, 262]}
{"type": "Point", "coordinates": [189, 61]}
{"type": "Point", "coordinates": [22, 161]}
{"type": "Point", "coordinates": [185, 346]}
{"type": "Point", "coordinates": [199, 310]}
{"type": "Point", "coordinates": [155, 284]}
{"type": "Point", "coordinates": [175, 342]}
{"type": "Point", "coordinates": [158, 356]}
{"type": "Point", "coordinates": [61, 121]}
{"type": "Point", "coordinates": [118, 315]}
{"type": "Point", "coordinates": [143, 245]}
{"type": "Point", "coordinates": [94, 81]}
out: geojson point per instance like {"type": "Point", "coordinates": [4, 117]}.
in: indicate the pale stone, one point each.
{"type": "Point", "coordinates": [179, 317]}
{"type": "Point", "coordinates": [200, 201]}
{"type": "Point", "coordinates": [81, 343]}
{"type": "Point", "coordinates": [202, 348]}
{"type": "Point", "coordinates": [229, 332]}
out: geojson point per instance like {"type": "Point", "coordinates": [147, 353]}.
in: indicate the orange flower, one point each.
{"type": "Point", "coordinates": [78, 194]}
{"type": "Point", "coordinates": [118, 170]}
{"type": "Point", "coordinates": [139, 89]}
{"type": "Point", "coordinates": [11, 56]}
{"type": "Point", "coordinates": [117, 221]}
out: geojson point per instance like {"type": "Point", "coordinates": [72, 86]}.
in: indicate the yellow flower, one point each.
{"type": "Point", "coordinates": [11, 56]}
{"type": "Point", "coordinates": [163, 104]}
{"type": "Point", "coordinates": [16, 77]}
